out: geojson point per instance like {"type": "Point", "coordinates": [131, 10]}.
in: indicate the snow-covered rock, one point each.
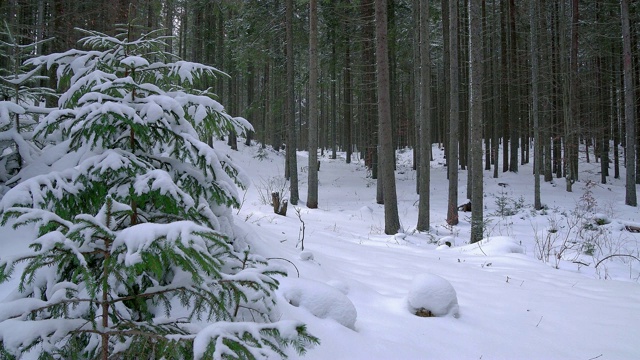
{"type": "Point", "coordinates": [322, 300]}
{"type": "Point", "coordinates": [432, 294]}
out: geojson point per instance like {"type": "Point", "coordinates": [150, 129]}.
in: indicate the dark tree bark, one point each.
{"type": "Point", "coordinates": [290, 107]}
{"type": "Point", "coordinates": [425, 118]}
{"type": "Point", "coordinates": [312, 193]}
{"type": "Point", "coordinates": [454, 115]}
{"type": "Point", "coordinates": [387, 173]}
{"type": "Point", "coordinates": [535, 101]}
{"type": "Point", "coordinates": [629, 111]}
{"type": "Point", "coordinates": [476, 78]}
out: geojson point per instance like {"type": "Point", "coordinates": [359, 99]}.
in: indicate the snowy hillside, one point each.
{"type": "Point", "coordinates": [530, 290]}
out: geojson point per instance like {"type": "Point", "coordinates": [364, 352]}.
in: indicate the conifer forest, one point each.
{"type": "Point", "coordinates": [113, 114]}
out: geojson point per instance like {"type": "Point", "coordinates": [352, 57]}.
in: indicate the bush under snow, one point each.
{"type": "Point", "coordinates": [322, 300]}
{"type": "Point", "coordinates": [432, 295]}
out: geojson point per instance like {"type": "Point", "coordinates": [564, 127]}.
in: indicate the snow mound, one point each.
{"type": "Point", "coordinates": [498, 245]}
{"type": "Point", "coordinates": [432, 295]}
{"type": "Point", "coordinates": [306, 256]}
{"type": "Point", "coordinates": [322, 300]}
{"type": "Point", "coordinates": [340, 285]}
{"type": "Point", "coordinates": [449, 241]}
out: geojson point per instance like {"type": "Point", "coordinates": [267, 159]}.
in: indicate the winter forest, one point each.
{"type": "Point", "coordinates": [369, 179]}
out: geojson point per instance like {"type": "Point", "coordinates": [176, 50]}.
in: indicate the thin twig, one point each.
{"type": "Point", "coordinates": [294, 265]}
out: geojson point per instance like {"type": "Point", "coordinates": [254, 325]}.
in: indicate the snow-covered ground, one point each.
{"type": "Point", "coordinates": [530, 290]}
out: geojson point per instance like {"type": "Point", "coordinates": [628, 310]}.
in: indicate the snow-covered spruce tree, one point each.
{"type": "Point", "coordinates": [135, 255]}
{"type": "Point", "coordinates": [20, 98]}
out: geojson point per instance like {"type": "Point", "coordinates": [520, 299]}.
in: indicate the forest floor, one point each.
{"type": "Point", "coordinates": [530, 290]}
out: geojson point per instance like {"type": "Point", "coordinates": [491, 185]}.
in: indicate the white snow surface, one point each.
{"type": "Point", "coordinates": [514, 302]}
{"type": "Point", "coordinates": [434, 293]}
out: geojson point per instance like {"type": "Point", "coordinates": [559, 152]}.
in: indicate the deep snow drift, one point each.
{"type": "Point", "coordinates": [530, 290]}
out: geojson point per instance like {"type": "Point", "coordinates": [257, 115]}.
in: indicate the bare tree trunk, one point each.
{"type": "Point", "coordinates": [504, 87]}
{"type": "Point", "coordinates": [387, 173]}
{"type": "Point", "coordinates": [514, 116]}
{"type": "Point", "coordinates": [334, 95]}
{"type": "Point", "coordinates": [417, 33]}
{"type": "Point", "coordinates": [476, 77]}
{"type": "Point", "coordinates": [629, 110]}
{"type": "Point", "coordinates": [535, 102]}
{"type": "Point", "coordinates": [312, 191]}
{"type": "Point", "coordinates": [446, 64]}
{"type": "Point", "coordinates": [290, 108]}
{"type": "Point", "coordinates": [573, 94]}
{"type": "Point", "coordinates": [454, 116]}
{"type": "Point", "coordinates": [348, 97]}
{"type": "Point", "coordinates": [425, 118]}
{"type": "Point", "coordinates": [496, 95]}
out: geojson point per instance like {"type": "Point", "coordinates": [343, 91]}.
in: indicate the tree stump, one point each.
{"type": "Point", "coordinates": [279, 206]}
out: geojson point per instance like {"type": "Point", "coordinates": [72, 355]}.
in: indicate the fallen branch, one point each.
{"type": "Point", "coordinates": [616, 255]}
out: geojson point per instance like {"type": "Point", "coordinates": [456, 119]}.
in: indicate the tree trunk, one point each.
{"type": "Point", "coordinates": [387, 173]}
{"type": "Point", "coordinates": [290, 107]}
{"type": "Point", "coordinates": [504, 87]}
{"type": "Point", "coordinates": [312, 193]}
{"type": "Point", "coordinates": [334, 96]}
{"type": "Point", "coordinates": [535, 102]}
{"type": "Point", "coordinates": [348, 98]}
{"type": "Point", "coordinates": [514, 120]}
{"type": "Point", "coordinates": [425, 118]}
{"type": "Point", "coordinates": [446, 64]}
{"type": "Point", "coordinates": [629, 110]}
{"type": "Point", "coordinates": [476, 78]}
{"type": "Point", "coordinates": [573, 93]}
{"type": "Point", "coordinates": [454, 115]}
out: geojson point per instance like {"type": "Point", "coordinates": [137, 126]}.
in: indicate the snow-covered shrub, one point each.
{"type": "Point", "coordinates": [322, 300]}
{"type": "Point", "coordinates": [431, 295]}
{"type": "Point", "coordinates": [136, 256]}
{"type": "Point", "coordinates": [275, 184]}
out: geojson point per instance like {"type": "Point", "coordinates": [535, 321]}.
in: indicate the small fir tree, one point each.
{"type": "Point", "coordinates": [20, 99]}
{"type": "Point", "coordinates": [135, 255]}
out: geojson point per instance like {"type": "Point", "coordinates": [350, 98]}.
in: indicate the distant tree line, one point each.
{"type": "Point", "coordinates": [532, 79]}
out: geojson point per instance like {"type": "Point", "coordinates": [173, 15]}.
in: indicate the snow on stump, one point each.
{"type": "Point", "coordinates": [322, 300]}
{"type": "Point", "coordinates": [431, 295]}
